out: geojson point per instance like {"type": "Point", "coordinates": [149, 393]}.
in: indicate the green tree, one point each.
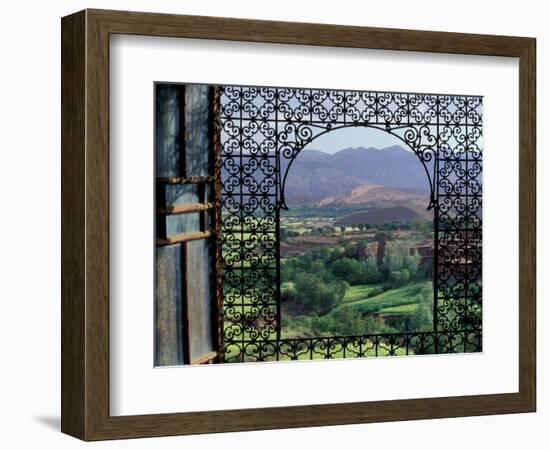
{"type": "Point", "coordinates": [349, 270]}
{"type": "Point", "coordinates": [401, 262]}
{"type": "Point", "coordinates": [316, 295]}
{"type": "Point", "coordinates": [422, 319]}
{"type": "Point", "coordinates": [373, 273]}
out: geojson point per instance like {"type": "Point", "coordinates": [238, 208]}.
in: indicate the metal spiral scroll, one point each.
{"type": "Point", "coordinates": [260, 127]}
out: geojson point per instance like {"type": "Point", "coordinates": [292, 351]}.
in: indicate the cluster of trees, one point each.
{"type": "Point", "coordinates": [355, 271]}
{"type": "Point", "coordinates": [400, 265]}
{"type": "Point", "coordinates": [350, 321]}
{"type": "Point", "coordinates": [311, 293]}
{"type": "Point", "coordinates": [317, 281]}
{"type": "Point", "coordinates": [310, 286]}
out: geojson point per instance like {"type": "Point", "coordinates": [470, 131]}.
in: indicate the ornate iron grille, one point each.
{"type": "Point", "coordinates": [261, 127]}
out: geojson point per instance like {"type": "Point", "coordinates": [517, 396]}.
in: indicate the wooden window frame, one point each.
{"type": "Point", "coordinates": [208, 229]}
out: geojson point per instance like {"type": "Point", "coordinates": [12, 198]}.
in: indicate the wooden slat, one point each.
{"type": "Point", "coordinates": [184, 269]}
{"type": "Point", "coordinates": [168, 307]}
{"type": "Point", "coordinates": [200, 298]}
{"type": "Point", "coordinates": [205, 358]}
{"type": "Point", "coordinates": [185, 180]}
{"type": "Point", "coordinates": [184, 237]}
{"type": "Point", "coordinates": [188, 208]}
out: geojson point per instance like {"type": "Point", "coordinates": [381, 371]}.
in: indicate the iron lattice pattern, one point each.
{"type": "Point", "coordinates": [262, 129]}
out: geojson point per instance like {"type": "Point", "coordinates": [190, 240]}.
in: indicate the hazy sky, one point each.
{"type": "Point", "coordinates": [336, 140]}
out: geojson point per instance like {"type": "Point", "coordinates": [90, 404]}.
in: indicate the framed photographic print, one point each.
{"type": "Point", "coordinates": [270, 224]}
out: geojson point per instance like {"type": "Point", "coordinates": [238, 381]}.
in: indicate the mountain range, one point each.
{"type": "Point", "coordinates": [351, 176]}
{"type": "Point", "coordinates": [355, 175]}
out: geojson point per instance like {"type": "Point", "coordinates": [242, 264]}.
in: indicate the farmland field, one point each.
{"type": "Point", "coordinates": [364, 278]}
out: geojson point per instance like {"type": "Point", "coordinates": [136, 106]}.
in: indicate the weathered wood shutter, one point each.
{"type": "Point", "coordinates": [187, 209]}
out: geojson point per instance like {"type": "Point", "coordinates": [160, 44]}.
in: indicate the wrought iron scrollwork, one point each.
{"type": "Point", "coordinates": [263, 129]}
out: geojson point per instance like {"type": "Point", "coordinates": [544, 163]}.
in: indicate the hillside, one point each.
{"type": "Point", "coordinates": [373, 193]}
{"type": "Point", "coordinates": [376, 216]}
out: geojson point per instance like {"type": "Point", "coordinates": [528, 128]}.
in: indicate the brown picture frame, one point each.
{"type": "Point", "coordinates": [85, 224]}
